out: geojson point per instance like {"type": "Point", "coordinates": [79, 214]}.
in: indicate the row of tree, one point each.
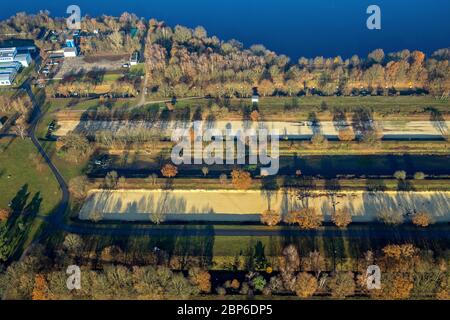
{"type": "Point", "coordinates": [406, 272]}
{"type": "Point", "coordinates": [185, 62]}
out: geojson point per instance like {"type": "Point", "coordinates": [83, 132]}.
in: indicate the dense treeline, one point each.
{"type": "Point", "coordinates": [185, 62]}
{"type": "Point", "coordinates": [406, 272]}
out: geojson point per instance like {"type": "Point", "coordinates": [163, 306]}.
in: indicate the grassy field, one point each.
{"type": "Point", "coordinates": [257, 184]}
{"type": "Point", "coordinates": [228, 253]}
{"type": "Point", "coordinates": [273, 108]}
{"type": "Point", "coordinates": [20, 164]}
{"type": "Point", "coordinates": [23, 169]}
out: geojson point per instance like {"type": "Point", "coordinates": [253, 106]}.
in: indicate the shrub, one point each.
{"type": "Point", "coordinates": [342, 217]}
{"type": "Point", "coordinates": [201, 279]}
{"type": "Point", "coordinates": [259, 283]}
{"type": "Point", "coordinates": [221, 291]}
{"type": "Point", "coordinates": [4, 214]}
{"type": "Point", "coordinates": [111, 180]}
{"type": "Point", "coordinates": [78, 187]}
{"type": "Point", "coordinates": [420, 175]}
{"type": "Point", "coordinates": [346, 134]}
{"type": "Point", "coordinates": [306, 218]}
{"type": "Point", "coordinates": [72, 242]}
{"type": "Point", "coordinates": [305, 285]}
{"type": "Point", "coordinates": [319, 140]}
{"type": "Point", "coordinates": [400, 175]}
{"type": "Point", "coordinates": [422, 219]}
{"type": "Point", "coordinates": [241, 179]}
{"type": "Point", "coordinates": [169, 170]}
{"type": "Point", "coordinates": [270, 218]}
{"type": "Point", "coordinates": [342, 285]}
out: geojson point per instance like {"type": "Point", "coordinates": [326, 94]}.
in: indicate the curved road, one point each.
{"type": "Point", "coordinates": [56, 219]}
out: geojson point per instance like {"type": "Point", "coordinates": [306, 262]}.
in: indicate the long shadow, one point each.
{"type": "Point", "coordinates": [438, 120]}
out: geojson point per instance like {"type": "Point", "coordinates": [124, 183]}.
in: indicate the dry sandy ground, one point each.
{"type": "Point", "coordinates": [391, 129]}
{"type": "Point", "coordinates": [240, 206]}
{"type": "Point", "coordinates": [77, 64]}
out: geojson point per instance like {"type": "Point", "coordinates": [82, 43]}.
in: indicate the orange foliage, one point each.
{"type": "Point", "coordinates": [40, 290]}
{"type": "Point", "coordinates": [346, 135]}
{"type": "Point", "coordinates": [254, 116]}
{"type": "Point", "coordinates": [342, 218]}
{"type": "Point", "coordinates": [422, 219]}
{"type": "Point", "coordinates": [4, 214]}
{"type": "Point", "coordinates": [241, 179]}
{"type": "Point", "coordinates": [306, 218]}
{"type": "Point", "coordinates": [270, 218]}
{"type": "Point", "coordinates": [169, 171]}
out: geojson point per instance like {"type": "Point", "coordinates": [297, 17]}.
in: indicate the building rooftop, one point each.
{"type": "Point", "coordinates": [72, 49]}
{"type": "Point", "coordinates": [5, 76]}
{"type": "Point", "coordinates": [12, 64]}
{"type": "Point", "coordinates": [8, 52]}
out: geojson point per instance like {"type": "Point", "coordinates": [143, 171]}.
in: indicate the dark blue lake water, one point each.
{"type": "Point", "coordinates": [292, 27]}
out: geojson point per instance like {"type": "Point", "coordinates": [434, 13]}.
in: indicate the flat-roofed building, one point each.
{"type": "Point", "coordinates": [24, 59]}
{"type": "Point", "coordinates": [70, 52]}
{"type": "Point", "coordinates": [6, 79]}
{"type": "Point", "coordinates": [10, 55]}
{"type": "Point", "coordinates": [6, 65]}
{"type": "Point", "coordinates": [7, 54]}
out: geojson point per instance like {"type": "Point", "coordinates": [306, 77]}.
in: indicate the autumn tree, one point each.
{"type": "Point", "coordinates": [305, 285]}
{"type": "Point", "coordinates": [74, 147]}
{"type": "Point", "coordinates": [400, 175]}
{"type": "Point", "coordinates": [270, 218]}
{"type": "Point", "coordinates": [78, 187]}
{"type": "Point", "coordinates": [346, 134]}
{"type": "Point", "coordinates": [319, 140]}
{"type": "Point", "coordinates": [254, 115]}
{"type": "Point", "coordinates": [342, 285]}
{"type": "Point", "coordinates": [289, 264]}
{"type": "Point", "coordinates": [314, 262]}
{"type": "Point", "coordinates": [422, 219]}
{"type": "Point", "coordinates": [306, 218]}
{"type": "Point", "coordinates": [395, 286]}
{"type": "Point", "coordinates": [111, 180]}
{"type": "Point", "coordinates": [40, 290]}
{"type": "Point", "coordinates": [342, 217]}
{"type": "Point", "coordinates": [201, 278]}
{"type": "Point", "coordinates": [4, 214]}
{"type": "Point", "coordinates": [241, 179]}
{"type": "Point", "coordinates": [169, 170]}
{"type": "Point", "coordinates": [72, 242]}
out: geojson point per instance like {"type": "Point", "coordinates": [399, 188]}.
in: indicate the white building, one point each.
{"type": "Point", "coordinates": [7, 54]}
{"type": "Point", "coordinates": [70, 52]}
{"type": "Point", "coordinates": [6, 79]}
{"type": "Point", "coordinates": [24, 59]}
{"type": "Point", "coordinates": [10, 55]}
{"type": "Point", "coordinates": [6, 65]}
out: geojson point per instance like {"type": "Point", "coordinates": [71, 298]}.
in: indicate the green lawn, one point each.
{"type": "Point", "coordinates": [389, 107]}
{"type": "Point", "coordinates": [22, 168]}
{"type": "Point", "coordinates": [19, 167]}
